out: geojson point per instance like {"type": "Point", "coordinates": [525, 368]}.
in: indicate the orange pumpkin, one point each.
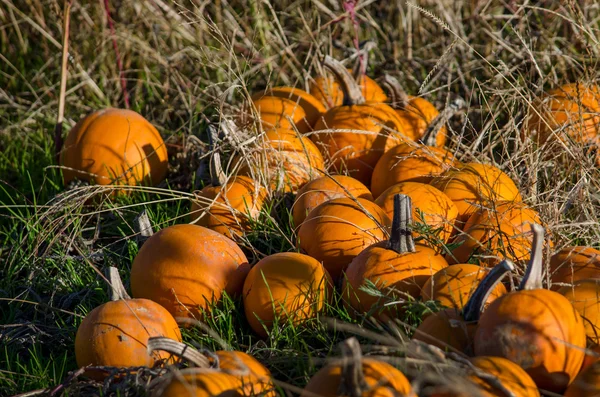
{"type": "Point", "coordinates": [279, 112]}
{"type": "Point", "coordinates": [114, 146]}
{"type": "Point", "coordinates": [455, 329]}
{"type": "Point", "coordinates": [368, 129]}
{"type": "Point", "coordinates": [492, 234]}
{"type": "Point", "coordinates": [409, 162]}
{"type": "Point", "coordinates": [587, 383]}
{"type": "Point", "coordinates": [312, 106]}
{"type": "Point", "coordinates": [572, 264]}
{"type": "Point", "coordinates": [398, 266]}
{"type": "Point", "coordinates": [338, 230]}
{"type": "Point", "coordinates": [284, 287]}
{"type": "Point", "coordinates": [571, 111]}
{"type": "Point", "coordinates": [512, 377]}
{"type": "Point", "coordinates": [535, 328]}
{"type": "Point", "coordinates": [475, 184]}
{"type": "Point", "coordinates": [343, 378]}
{"type": "Point", "coordinates": [324, 189]}
{"type": "Point", "coordinates": [203, 382]}
{"type": "Point", "coordinates": [592, 355]}
{"type": "Point", "coordinates": [116, 333]}
{"type": "Point", "coordinates": [584, 295]}
{"type": "Point", "coordinates": [434, 208]}
{"type": "Point", "coordinates": [186, 267]}
{"type": "Point", "coordinates": [453, 286]}
{"type": "Point", "coordinates": [257, 382]}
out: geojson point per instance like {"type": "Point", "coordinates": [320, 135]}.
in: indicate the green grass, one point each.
{"type": "Point", "coordinates": [184, 69]}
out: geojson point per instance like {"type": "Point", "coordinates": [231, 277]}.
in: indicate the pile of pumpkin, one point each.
{"type": "Point", "coordinates": [414, 234]}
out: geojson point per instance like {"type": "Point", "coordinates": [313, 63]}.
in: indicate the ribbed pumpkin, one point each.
{"type": "Point", "coordinates": [535, 328]}
{"type": "Point", "coordinates": [586, 384]}
{"type": "Point", "coordinates": [203, 382]}
{"type": "Point", "coordinates": [283, 160]}
{"type": "Point", "coordinates": [453, 286]}
{"type": "Point", "coordinates": [284, 287]}
{"type": "Point", "coordinates": [258, 379]}
{"type": "Point", "coordinates": [357, 376]}
{"type": "Point", "coordinates": [452, 329]}
{"type": "Point", "coordinates": [279, 112]}
{"type": "Point", "coordinates": [324, 189]}
{"type": "Point", "coordinates": [116, 333]}
{"type": "Point", "coordinates": [312, 106]}
{"type": "Point", "coordinates": [571, 111]}
{"type": "Point", "coordinates": [475, 184]}
{"type": "Point", "coordinates": [584, 295]}
{"type": "Point", "coordinates": [432, 207]}
{"type": "Point", "coordinates": [491, 234]}
{"type": "Point", "coordinates": [186, 267]}
{"type": "Point", "coordinates": [397, 264]}
{"type": "Point", "coordinates": [340, 229]}
{"type": "Point", "coordinates": [512, 377]}
{"type": "Point", "coordinates": [368, 129]}
{"type": "Point", "coordinates": [571, 264]}
{"type": "Point", "coordinates": [114, 146]}
{"type": "Point", "coordinates": [227, 205]}
{"type": "Point", "coordinates": [409, 162]}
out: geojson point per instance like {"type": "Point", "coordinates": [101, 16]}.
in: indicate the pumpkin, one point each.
{"type": "Point", "coordinates": [491, 234]}
{"type": "Point", "coordinates": [356, 134]}
{"type": "Point", "coordinates": [584, 295]}
{"type": "Point", "coordinates": [435, 209]}
{"type": "Point", "coordinates": [592, 355]}
{"type": "Point", "coordinates": [572, 264]}
{"type": "Point", "coordinates": [535, 328]}
{"type": "Point", "coordinates": [313, 108]}
{"type": "Point", "coordinates": [453, 286]}
{"type": "Point", "coordinates": [571, 111]}
{"type": "Point", "coordinates": [203, 382]}
{"type": "Point", "coordinates": [512, 377]}
{"type": "Point", "coordinates": [116, 333]}
{"type": "Point", "coordinates": [279, 112]}
{"type": "Point", "coordinates": [257, 382]}
{"type": "Point", "coordinates": [409, 162]}
{"type": "Point", "coordinates": [397, 266]}
{"type": "Point", "coordinates": [284, 287]}
{"type": "Point", "coordinates": [226, 206]}
{"type": "Point", "coordinates": [187, 267]}
{"type": "Point", "coordinates": [284, 160]}
{"type": "Point", "coordinates": [475, 184]}
{"type": "Point", "coordinates": [452, 329]}
{"type": "Point", "coordinates": [587, 383]}
{"type": "Point", "coordinates": [324, 189]}
{"type": "Point", "coordinates": [357, 376]}
{"type": "Point", "coordinates": [338, 230]}
{"type": "Point", "coordinates": [114, 146]}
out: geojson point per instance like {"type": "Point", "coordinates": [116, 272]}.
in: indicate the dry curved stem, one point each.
{"type": "Point", "coordinates": [401, 239]}
{"type": "Point", "coordinates": [476, 302]}
{"type": "Point", "coordinates": [353, 382]}
{"type": "Point", "coordinates": [117, 289]}
{"type": "Point", "coordinates": [533, 274]}
{"type": "Point", "coordinates": [217, 175]}
{"type": "Point", "coordinates": [352, 92]}
{"type": "Point", "coordinates": [178, 349]}
{"type": "Point", "coordinates": [398, 97]}
{"type": "Point", "coordinates": [431, 133]}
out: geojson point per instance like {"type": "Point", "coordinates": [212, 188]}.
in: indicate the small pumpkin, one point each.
{"type": "Point", "coordinates": [227, 205]}
{"type": "Point", "coordinates": [434, 208]}
{"type": "Point", "coordinates": [357, 376]}
{"type": "Point", "coordinates": [116, 333]}
{"type": "Point", "coordinates": [279, 112]}
{"type": "Point", "coordinates": [114, 146]}
{"type": "Point", "coordinates": [356, 134]}
{"type": "Point", "coordinates": [535, 328]}
{"type": "Point", "coordinates": [586, 384]}
{"type": "Point", "coordinates": [454, 285]}
{"type": "Point", "coordinates": [187, 267]}
{"type": "Point", "coordinates": [312, 106]}
{"type": "Point", "coordinates": [512, 377]}
{"type": "Point", "coordinates": [574, 263]}
{"type": "Point", "coordinates": [584, 295]}
{"type": "Point", "coordinates": [284, 287]}
{"type": "Point", "coordinates": [409, 162]}
{"type": "Point", "coordinates": [338, 230]}
{"type": "Point", "coordinates": [397, 266]}
{"type": "Point", "coordinates": [257, 380]}
{"type": "Point", "coordinates": [323, 189]}
{"type": "Point", "coordinates": [474, 184]}
{"type": "Point", "coordinates": [203, 382]}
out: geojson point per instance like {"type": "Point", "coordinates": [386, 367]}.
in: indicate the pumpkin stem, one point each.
{"type": "Point", "coordinates": [533, 274]}
{"type": "Point", "coordinates": [476, 302]}
{"type": "Point", "coordinates": [117, 289]}
{"type": "Point", "coordinates": [352, 92]}
{"type": "Point", "coordinates": [142, 227]}
{"type": "Point", "coordinates": [398, 97]}
{"type": "Point", "coordinates": [401, 239]}
{"type": "Point", "coordinates": [178, 349]}
{"type": "Point", "coordinates": [431, 133]}
{"type": "Point", "coordinates": [353, 379]}
{"type": "Point", "coordinates": [217, 175]}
